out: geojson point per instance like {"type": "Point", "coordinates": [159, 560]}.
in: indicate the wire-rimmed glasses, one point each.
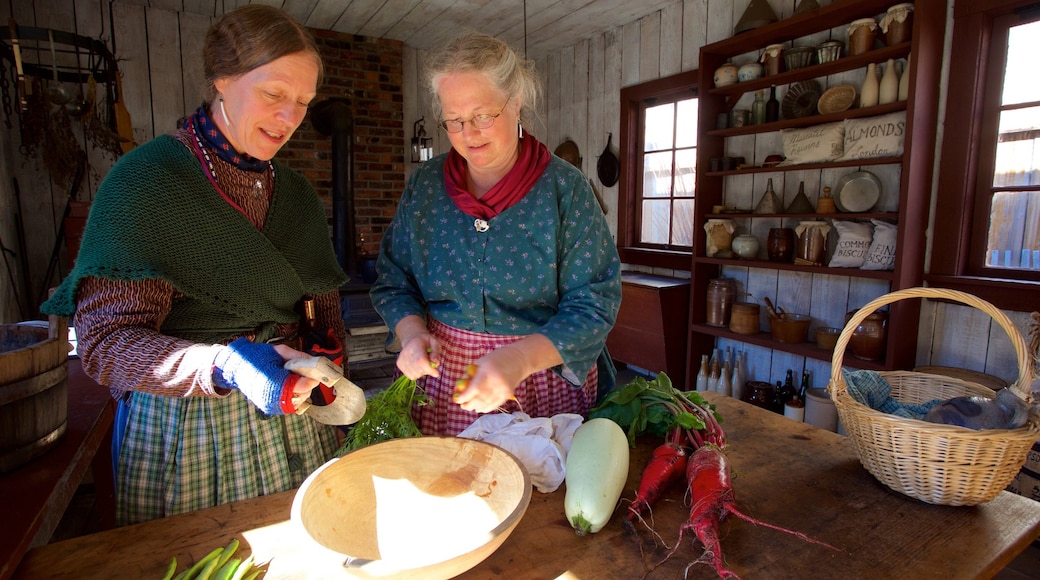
{"type": "Point", "coordinates": [481, 121]}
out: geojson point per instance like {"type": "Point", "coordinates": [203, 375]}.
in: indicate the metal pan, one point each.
{"type": "Point", "coordinates": [857, 192]}
{"type": "Point", "coordinates": [608, 168]}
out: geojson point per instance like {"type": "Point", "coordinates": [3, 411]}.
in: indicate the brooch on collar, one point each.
{"type": "Point", "coordinates": [481, 225]}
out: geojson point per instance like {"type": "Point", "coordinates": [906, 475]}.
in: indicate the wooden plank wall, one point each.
{"type": "Point", "coordinates": [581, 102]}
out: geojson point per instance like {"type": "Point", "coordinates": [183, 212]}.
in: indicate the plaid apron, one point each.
{"type": "Point", "coordinates": [543, 394]}
{"type": "Point", "coordinates": [184, 454]}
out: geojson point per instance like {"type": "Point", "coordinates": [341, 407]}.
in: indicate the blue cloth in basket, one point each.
{"type": "Point", "coordinates": [872, 390]}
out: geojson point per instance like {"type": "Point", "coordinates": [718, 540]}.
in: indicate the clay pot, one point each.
{"type": "Point", "coordinates": [870, 337]}
{"type": "Point", "coordinates": [726, 74]}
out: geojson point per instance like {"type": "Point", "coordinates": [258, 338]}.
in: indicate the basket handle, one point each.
{"type": "Point", "coordinates": [1022, 387]}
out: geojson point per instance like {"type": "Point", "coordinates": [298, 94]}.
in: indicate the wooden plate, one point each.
{"type": "Point", "coordinates": [800, 100]}
{"type": "Point", "coordinates": [836, 99]}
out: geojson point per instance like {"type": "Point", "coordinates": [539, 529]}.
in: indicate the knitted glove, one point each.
{"type": "Point", "coordinates": [258, 371]}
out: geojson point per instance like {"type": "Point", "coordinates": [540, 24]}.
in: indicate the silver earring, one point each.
{"type": "Point", "coordinates": [519, 130]}
{"type": "Point", "coordinates": [223, 112]}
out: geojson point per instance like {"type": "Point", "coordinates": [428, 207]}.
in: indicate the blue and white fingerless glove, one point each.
{"type": "Point", "coordinates": [255, 369]}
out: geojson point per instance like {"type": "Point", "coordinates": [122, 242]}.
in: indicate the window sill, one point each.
{"type": "Point", "coordinates": [655, 258]}
{"type": "Point", "coordinates": [1018, 295]}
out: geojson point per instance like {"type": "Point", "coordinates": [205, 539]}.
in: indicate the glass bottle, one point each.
{"type": "Point", "coordinates": [868, 91]}
{"type": "Point", "coordinates": [888, 88]}
{"type": "Point", "coordinates": [702, 375]}
{"type": "Point", "coordinates": [725, 384]}
{"type": "Point", "coordinates": [772, 106]}
{"type": "Point", "coordinates": [739, 376]}
{"type": "Point", "coordinates": [714, 372]}
{"type": "Point", "coordinates": [758, 108]}
{"type": "Point", "coordinates": [785, 392]}
{"type": "Point", "coordinates": [804, 389]}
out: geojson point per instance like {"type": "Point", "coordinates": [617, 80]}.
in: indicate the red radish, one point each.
{"type": "Point", "coordinates": [708, 473]}
{"type": "Point", "coordinates": [666, 465]}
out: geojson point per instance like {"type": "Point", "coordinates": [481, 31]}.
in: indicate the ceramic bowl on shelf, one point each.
{"type": "Point", "coordinates": [791, 329]}
{"type": "Point", "coordinates": [836, 99]}
{"type": "Point", "coordinates": [798, 57]}
{"type": "Point", "coordinates": [801, 99]}
{"type": "Point", "coordinates": [827, 337]}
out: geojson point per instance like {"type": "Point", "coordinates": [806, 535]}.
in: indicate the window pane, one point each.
{"type": "Point", "coordinates": [1020, 84]}
{"type": "Point", "coordinates": [686, 123]}
{"type": "Point", "coordinates": [657, 174]}
{"type": "Point", "coordinates": [1014, 230]}
{"type": "Point", "coordinates": [654, 228]}
{"type": "Point", "coordinates": [1018, 159]}
{"type": "Point", "coordinates": [660, 125]}
{"type": "Point", "coordinates": [685, 172]}
{"type": "Point", "coordinates": [682, 222]}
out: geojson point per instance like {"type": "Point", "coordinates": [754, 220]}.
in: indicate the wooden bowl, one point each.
{"type": "Point", "coordinates": [791, 329]}
{"type": "Point", "coordinates": [425, 507]}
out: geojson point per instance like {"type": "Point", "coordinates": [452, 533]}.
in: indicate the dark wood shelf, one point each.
{"type": "Point", "coordinates": [851, 272]}
{"type": "Point", "coordinates": [765, 339]}
{"type": "Point", "coordinates": [806, 166]}
{"type": "Point", "coordinates": [734, 91]}
{"type": "Point", "coordinates": [887, 215]}
{"type": "Point", "coordinates": [810, 121]}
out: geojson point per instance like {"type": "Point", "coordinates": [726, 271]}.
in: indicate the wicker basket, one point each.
{"type": "Point", "coordinates": [935, 463]}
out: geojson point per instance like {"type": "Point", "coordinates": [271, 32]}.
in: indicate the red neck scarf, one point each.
{"type": "Point", "coordinates": [533, 159]}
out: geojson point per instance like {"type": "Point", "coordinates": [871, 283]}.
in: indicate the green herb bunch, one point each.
{"type": "Point", "coordinates": [388, 415]}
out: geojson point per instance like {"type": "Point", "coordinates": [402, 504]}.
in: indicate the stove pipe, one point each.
{"type": "Point", "coordinates": [333, 117]}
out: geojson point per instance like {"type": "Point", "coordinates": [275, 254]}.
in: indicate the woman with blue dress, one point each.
{"type": "Point", "coordinates": [498, 274]}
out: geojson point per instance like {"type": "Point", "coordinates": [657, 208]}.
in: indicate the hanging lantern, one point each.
{"type": "Point", "coordinates": [421, 148]}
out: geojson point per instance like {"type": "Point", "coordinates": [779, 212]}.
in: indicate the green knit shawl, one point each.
{"type": "Point", "coordinates": [156, 215]}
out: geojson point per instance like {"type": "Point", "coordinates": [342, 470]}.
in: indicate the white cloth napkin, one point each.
{"type": "Point", "coordinates": [540, 443]}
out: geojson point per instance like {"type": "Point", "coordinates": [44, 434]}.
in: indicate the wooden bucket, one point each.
{"type": "Point", "coordinates": [33, 390]}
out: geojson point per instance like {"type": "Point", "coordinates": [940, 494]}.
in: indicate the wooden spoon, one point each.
{"type": "Point", "coordinates": [770, 310]}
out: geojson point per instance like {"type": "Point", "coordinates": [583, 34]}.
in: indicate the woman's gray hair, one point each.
{"type": "Point", "coordinates": [507, 71]}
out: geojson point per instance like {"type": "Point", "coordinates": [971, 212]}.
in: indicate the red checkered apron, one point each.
{"type": "Point", "coordinates": [542, 394]}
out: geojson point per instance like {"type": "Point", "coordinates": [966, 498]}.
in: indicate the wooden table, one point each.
{"type": "Point", "coordinates": [37, 493]}
{"type": "Point", "coordinates": [786, 473]}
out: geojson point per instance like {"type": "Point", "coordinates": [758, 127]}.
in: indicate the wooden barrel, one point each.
{"type": "Point", "coordinates": [33, 391]}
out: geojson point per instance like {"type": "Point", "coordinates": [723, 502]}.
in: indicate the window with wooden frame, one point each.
{"type": "Point", "coordinates": [658, 172]}
{"type": "Point", "coordinates": [987, 225]}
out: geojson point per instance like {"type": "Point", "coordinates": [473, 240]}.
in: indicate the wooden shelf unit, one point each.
{"type": "Point", "coordinates": [915, 176]}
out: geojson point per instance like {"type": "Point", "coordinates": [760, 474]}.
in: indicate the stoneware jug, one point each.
{"type": "Point", "coordinates": [868, 92]}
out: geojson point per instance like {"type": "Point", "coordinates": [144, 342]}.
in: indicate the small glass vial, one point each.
{"type": "Point", "coordinates": [758, 108]}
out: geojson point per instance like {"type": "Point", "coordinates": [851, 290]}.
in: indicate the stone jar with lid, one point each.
{"type": "Point", "coordinates": [745, 246]}
{"type": "Point", "coordinates": [812, 242]}
{"type": "Point", "coordinates": [861, 35]}
{"type": "Point", "coordinates": [772, 61]}
{"type": "Point", "coordinates": [870, 337]}
{"type": "Point", "coordinates": [720, 237]}
{"type": "Point", "coordinates": [726, 74]}
{"type": "Point", "coordinates": [897, 23]}
{"type": "Point", "coordinates": [780, 245]}
{"type": "Point", "coordinates": [722, 293]}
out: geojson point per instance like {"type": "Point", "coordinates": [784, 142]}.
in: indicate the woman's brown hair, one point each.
{"type": "Point", "coordinates": [252, 36]}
